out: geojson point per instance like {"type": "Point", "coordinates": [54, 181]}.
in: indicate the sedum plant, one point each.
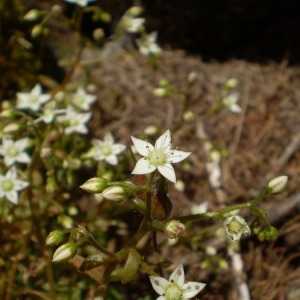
{"type": "Point", "coordinates": [45, 143]}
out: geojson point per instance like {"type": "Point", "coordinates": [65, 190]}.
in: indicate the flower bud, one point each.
{"type": "Point", "coordinates": [12, 127]}
{"type": "Point", "coordinates": [269, 233]}
{"type": "Point", "coordinates": [37, 30]}
{"type": "Point", "coordinates": [235, 226]}
{"type": "Point", "coordinates": [135, 11]}
{"type": "Point", "coordinates": [192, 78]}
{"type": "Point", "coordinates": [98, 34]}
{"type": "Point", "coordinates": [173, 229]}
{"type": "Point", "coordinates": [277, 184]}
{"type": "Point", "coordinates": [55, 237]}
{"type": "Point", "coordinates": [8, 113]}
{"type": "Point", "coordinates": [114, 193]}
{"type": "Point", "coordinates": [32, 15]}
{"type": "Point", "coordinates": [95, 185]}
{"type": "Point", "coordinates": [231, 83]}
{"type": "Point", "coordinates": [161, 92]}
{"type": "Point", "coordinates": [65, 252]}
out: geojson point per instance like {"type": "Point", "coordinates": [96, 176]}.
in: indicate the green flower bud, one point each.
{"type": "Point", "coordinates": [161, 92]}
{"type": "Point", "coordinates": [12, 127]}
{"type": "Point", "coordinates": [95, 185]}
{"type": "Point", "coordinates": [114, 193]}
{"type": "Point", "coordinates": [8, 113]}
{"type": "Point", "coordinates": [231, 83]}
{"type": "Point", "coordinates": [174, 229]}
{"type": "Point", "coordinates": [277, 184]}
{"type": "Point", "coordinates": [55, 237]}
{"type": "Point", "coordinates": [65, 252]}
{"type": "Point", "coordinates": [37, 30]}
{"type": "Point", "coordinates": [135, 11]}
{"type": "Point", "coordinates": [192, 78]}
{"type": "Point", "coordinates": [32, 15]}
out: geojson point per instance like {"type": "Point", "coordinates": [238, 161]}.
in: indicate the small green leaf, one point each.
{"type": "Point", "coordinates": [94, 261]}
{"type": "Point", "coordinates": [131, 267]}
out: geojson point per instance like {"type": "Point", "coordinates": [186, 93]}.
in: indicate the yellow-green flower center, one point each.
{"type": "Point", "coordinates": [33, 99]}
{"type": "Point", "coordinates": [173, 292]}
{"type": "Point", "coordinates": [106, 150]}
{"type": "Point", "coordinates": [7, 185]}
{"type": "Point", "coordinates": [73, 122]}
{"type": "Point", "coordinates": [157, 157]}
{"type": "Point", "coordinates": [78, 100]}
{"type": "Point", "coordinates": [235, 226]}
{"type": "Point", "coordinates": [12, 151]}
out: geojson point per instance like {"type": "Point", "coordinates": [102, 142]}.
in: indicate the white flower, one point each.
{"type": "Point", "coordinates": [49, 113]}
{"type": "Point", "coordinates": [176, 288]}
{"type": "Point", "coordinates": [231, 102]}
{"type": "Point", "coordinates": [106, 150]}
{"type": "Point", "coordinates": [147, 44]}
{"type": "Point", "coordinates": [74, 121]}
{"type": "Point", "coordinates": [158, 157]}
{"type": "Point", "coordinates": [83, 100]}
{"type": "Point", "coordinates": [235, 226]}
{"type": "Point", "coordinates": [13, 151]}
{"type": "Point", "coordinates": [133, 25]}
{"type": "Point", "coordinates": [81, 3]}
{"type": "Point", "coordinates": [10, 185]}
{"type": "Point", "coordinates": [32, 100]}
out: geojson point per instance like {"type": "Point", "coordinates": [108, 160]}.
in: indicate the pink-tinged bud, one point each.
{"type": "Point", "coordinates": [277, 184]}
{"type": "Point", "coordinates": [174, 229]}
{"type": "Point", "coordinates": [94, 185]}
{"type": "Point", "coordinates": [65, 252]}
{"type": "Point", "coordinates": [55, 237]}
{"type": "Point", "coordinates": [114, 193]}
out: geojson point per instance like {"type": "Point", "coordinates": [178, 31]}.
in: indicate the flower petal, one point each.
{"type": "Point", "coordinates": [164, 140]}
{"type": "Point", "coordinates": [109, 138]}
{"type": "Point", "coordinates": [143, 166]}
{"type": "Point", "coordinates": [111, 159]}
{"type": "Point", "coordinates": [117, 148]}
{"type": "Point", "coordinates": [12, 196]}
{"type": "Point", "coordinates": [167, 171]}
{"type": "Point", "coordinates": [159, 284]}
{"type": "Point", "coordinates": [177, 156]}
{"type": "Point", "coordinates": [192, 288]}
{"type": "Point", "coordinates": [142, 147]}
{"type": "Point", "coordinates": [178, 275]}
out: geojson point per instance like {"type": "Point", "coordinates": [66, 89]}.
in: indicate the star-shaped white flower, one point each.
{"type": "Point", "coordinates": [133, 25]}
{"type": "Point", "coordinates": [13, 151]}
{"type": "Point", "coordinates": [235, 226]}
{"type": "Point", "coordinates": [147, 45]}
{"type": "Point", "coordinates": [158, 157]}
{"type": "Point", "coordinates": [176, 288]}
{"type": "Point", "coordinates": [231, 102]}
{"type": "Point", "coordinates": [83, 100]}
{"type": "Point", "coordinates": [106, 150]}
{"type": "Point", "coordinates": [49, 113]}
{"type": "Point", "coordinates": [81, 3]}
{"type": "Point", "coordinates": [32, 100]}
{"type": "Point", "coordinates": [74, 122]}
{"type": "Point", "coordinates": [10, 185]}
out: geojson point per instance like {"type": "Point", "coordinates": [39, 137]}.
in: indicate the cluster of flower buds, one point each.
{"type": "Point", "coordinates": [69, 249]}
